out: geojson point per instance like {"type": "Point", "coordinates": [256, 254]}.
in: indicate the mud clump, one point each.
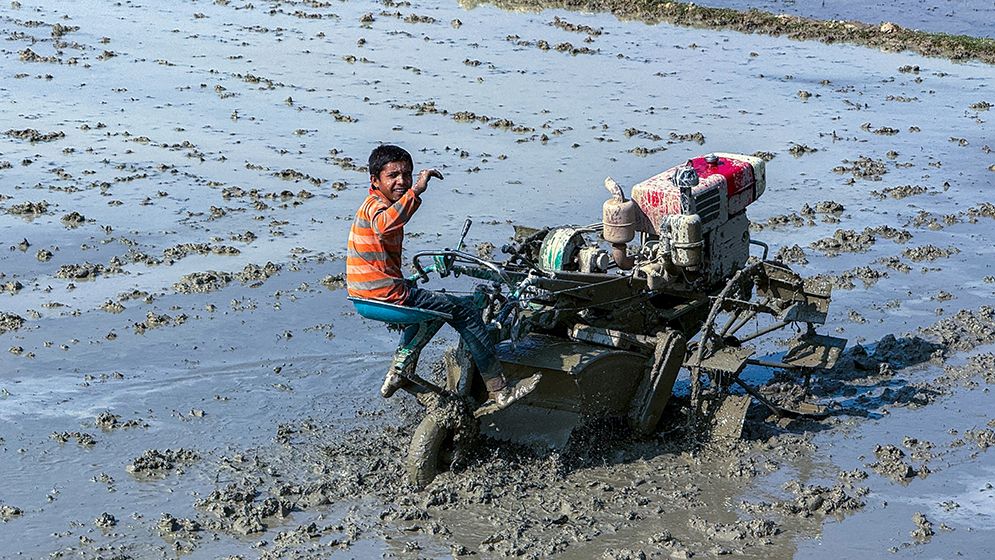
{"type": "Point", "coordinates": [296, 176]}
{"type": "Point", "coordinates": [845, 241]}
{"type": "Point", "coordinates": [923, 532]}
{"type": "Point", "coordinates": [333, 282]}
{"type": "Point", "coordinates": [983, 210]}
{"type": "Point", "coordinates": [298, 536]}
{"type": "Point", "coordinates": [791, 255]}
{"type": "Point", "coordinates": [575, 27]}
{"type": "Point", "coordinates": [696, 137]}
{"type": "Point", "coordinates": [105, 521]}
{"type": "Point", "coordinates": [783, 220]}
{"type": "Point", "coordinates": [58, 30]}
{"type": "Point", "coordinates": [982, 365]}
{"type": "Point", "coordinates": [965, 330]}
{"type": "Point", "coordinates": [822, 207]}
{"type": "Point", "coordinates": [10, 322]}
{"type": "Point", "coordinates": [867, 275]}
{"type": "Point", "coordinates": [107, 421]}
{"type": "Point", "coordinates": [11, 287]}
{"type": "Point", "coordinates": [183, 250]}
{"type": "Point", "coordinates": [29, 209]}
{"type": "Point", "coordinates": [904, 352]}
{"type": "Point", "coordinates": [863, 168]}
{"type": "Point", "coordinates": [630, 132]}
{"type": "Point", "coordinates": [756, 530]}
{"type": "Point", "coordinates": [154, 320]}
{"type": "Point", "coordinates": [890, 463]}
{"type": "Point", "coordinates": [983, 438]}
{"type": "Point", "coordinates": [888, 232]}
{"type": "Point", "coordinates": [895, 263]}
{"type": "Point", "coordinates": [155, 463]}
{"type": "Point", "coordinates": [257, 273]}
{"type": "Point", "coordinates": [202, 282]}
{"type": "Point", "coordinates": [899, 192]}
{"type": "Point", "coordinates": [8, 512]}
{"type": "Point", "coordinates": [169, 525]}
{"type": "Point", "coordinates": [812, 500]}
{"type": "Point", "coordinates": [181, 532]}
{"type": "Point", "coordinates": [798, 150]}
{"type": "Point", "coordinates": [82, 438]}
{"type": "Point", "coordinates": [237, 510]}
{"type": "Point", "coordinates": [485, 250]}
{"type": "Point", "coordinates": [33, 136]}
{"type": "Point", "coordinates": [73, 219]}
{"type": "Point", "coordinates": [28, 55]}
{"type": "Point", "coordinates": [112, 307]}
{"type": "Point", "coordinates": [81, 271]}
{"type": "Point", "coordinates": [929, 253]}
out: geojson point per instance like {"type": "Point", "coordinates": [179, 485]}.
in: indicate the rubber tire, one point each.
{"type": "Point", "coordinates": [426, 452]}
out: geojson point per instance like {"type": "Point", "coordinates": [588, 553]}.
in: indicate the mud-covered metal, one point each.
{"type": "Point", "coordinates": [559, 249]}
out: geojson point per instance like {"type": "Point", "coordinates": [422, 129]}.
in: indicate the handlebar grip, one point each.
{"type": "Point", "coordinates": [421, 271]}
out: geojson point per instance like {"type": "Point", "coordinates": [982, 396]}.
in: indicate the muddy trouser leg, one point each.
{"type": "Point", "coordinates": [467, 322]}
{"type": "Point", "coordinates": [413, 339]}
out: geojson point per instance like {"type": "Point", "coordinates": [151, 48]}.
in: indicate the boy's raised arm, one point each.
{"type": "Point", "coordinates": [394, 217]}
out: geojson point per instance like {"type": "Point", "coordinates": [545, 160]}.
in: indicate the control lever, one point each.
{"type": "Point", "coordinates": [462, 237]}
{"type": "Point", "coordinates": [444, 263]}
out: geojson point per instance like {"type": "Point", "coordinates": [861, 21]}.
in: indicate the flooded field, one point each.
{"type": "Point", "coordinates": [956, 17]}
{"type": "Point", "coordinates": [186, 378]}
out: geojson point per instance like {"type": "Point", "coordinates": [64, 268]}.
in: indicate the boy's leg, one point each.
{"type": "Point", "coordinates": [413, 339]}
{"type": "Point", "coordinates": [466, 320]}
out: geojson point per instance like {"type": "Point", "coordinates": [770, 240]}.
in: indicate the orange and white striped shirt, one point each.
{"type": "Point", "coordinates": [373, 262]}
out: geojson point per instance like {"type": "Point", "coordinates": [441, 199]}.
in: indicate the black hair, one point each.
{"type": "Point", "coordinates": [384, 154]}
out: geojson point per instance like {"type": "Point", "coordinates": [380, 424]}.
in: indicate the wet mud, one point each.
{"type": "Point", "coordinates": [184, 377]}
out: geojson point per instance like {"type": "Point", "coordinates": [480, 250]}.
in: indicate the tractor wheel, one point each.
{"type": "Point", "coordinates": [430, 452]}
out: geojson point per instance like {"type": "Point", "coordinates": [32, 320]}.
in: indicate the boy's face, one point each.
{"type": "Point", "coordinates": [394, 180]}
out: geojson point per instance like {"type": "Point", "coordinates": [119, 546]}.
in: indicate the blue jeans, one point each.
{"type": "Point", "coordinates": [467, 322]}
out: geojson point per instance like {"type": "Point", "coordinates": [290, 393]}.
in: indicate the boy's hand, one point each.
{"type": "Point", "coordinates": [423, 176]}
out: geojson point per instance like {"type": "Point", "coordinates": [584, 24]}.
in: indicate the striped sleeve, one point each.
{"type": "Point", "coordinates": [387, 220]}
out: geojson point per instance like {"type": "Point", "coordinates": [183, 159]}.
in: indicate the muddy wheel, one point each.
{"type": "Point", "coordinates": [430, 452]}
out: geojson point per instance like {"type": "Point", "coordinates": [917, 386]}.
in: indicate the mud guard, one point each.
{"type": "Point", "coordinates": [657, 385]}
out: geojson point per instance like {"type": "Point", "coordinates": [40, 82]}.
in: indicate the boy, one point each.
{"type": "Point", "coordinates": [373, 270]}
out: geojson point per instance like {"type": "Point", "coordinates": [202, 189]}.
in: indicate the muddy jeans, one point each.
{"type": "Point", "coordinates": [467, 322]}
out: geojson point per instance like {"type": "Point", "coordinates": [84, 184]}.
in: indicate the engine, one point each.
{"type": "Point", "coordinates": [691, 223]}
{"type": "Point", "coordinates": [691, 218]}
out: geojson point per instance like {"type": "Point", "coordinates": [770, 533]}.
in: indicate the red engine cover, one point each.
{"type": "Point", "coordinates": [738, 174]}
{"type": "Point", "coordinates": [725, 188]}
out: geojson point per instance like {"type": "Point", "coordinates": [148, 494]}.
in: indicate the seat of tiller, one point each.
{"type": "Point", "coordinates": [393, 313]}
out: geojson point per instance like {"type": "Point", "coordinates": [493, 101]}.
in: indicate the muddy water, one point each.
{"type": "Point", "coordinates": [187, 125]}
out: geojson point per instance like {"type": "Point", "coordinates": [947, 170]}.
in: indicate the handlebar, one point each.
{"type": "Point", "coordinates": [458, 256]}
